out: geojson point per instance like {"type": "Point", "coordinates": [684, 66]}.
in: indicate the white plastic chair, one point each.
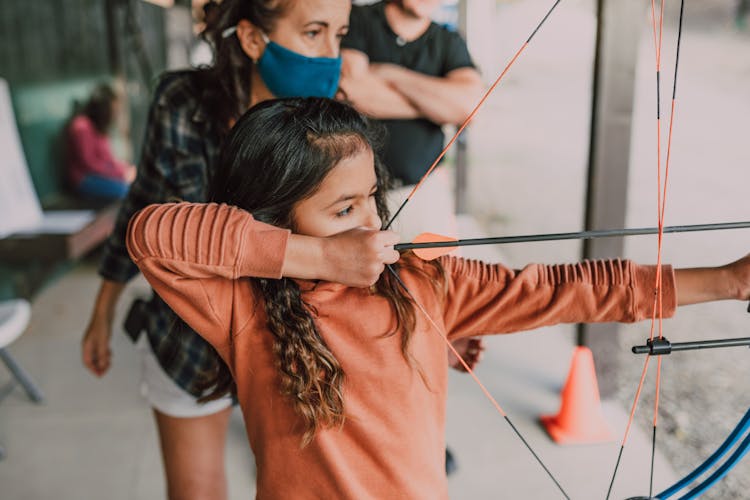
{"type": "Point", "coordinates": [14, 318]}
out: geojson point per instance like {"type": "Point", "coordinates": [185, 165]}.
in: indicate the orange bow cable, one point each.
{"type": "Point", "coordinates": [411, 194]}
{"type": "Point", "coordinates": [661, 210]}
{"type": "Point", "coordinates": [439, 331]}
{"type": "Point", "coordinates": [660, 241]}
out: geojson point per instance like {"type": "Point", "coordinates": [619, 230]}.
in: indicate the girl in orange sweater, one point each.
{"type": "Point", "coordinates": [342, 384]}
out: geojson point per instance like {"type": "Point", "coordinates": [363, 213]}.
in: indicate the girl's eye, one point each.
{"type": "Point", "coordinates": [344, 212]}
{"type": "Point", "coordinates": [312, 33]}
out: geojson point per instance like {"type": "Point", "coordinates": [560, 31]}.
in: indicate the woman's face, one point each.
{"type": "Point", "coordinates": [345, 199]}
{"type": "Point", "coordinates": [313, 28]}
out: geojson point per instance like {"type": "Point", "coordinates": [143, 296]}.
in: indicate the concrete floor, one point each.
{"type": "Point", "coordinates": [91, 438]}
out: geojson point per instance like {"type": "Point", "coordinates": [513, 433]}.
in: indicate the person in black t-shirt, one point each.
{"type": "Point", "coordinates": [414, 76]}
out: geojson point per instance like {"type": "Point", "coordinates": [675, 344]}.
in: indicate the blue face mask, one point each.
{"type": "Point", "coordinates": [289, 74]}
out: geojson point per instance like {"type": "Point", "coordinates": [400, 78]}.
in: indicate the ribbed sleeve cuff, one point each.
{"type": "Point", "coordinates": [263, 250]}
{"type": "Point", "coordinates": [644, 281]}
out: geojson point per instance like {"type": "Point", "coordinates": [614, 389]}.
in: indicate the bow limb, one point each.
{"type": "Point", "coordinates": [742, 428]}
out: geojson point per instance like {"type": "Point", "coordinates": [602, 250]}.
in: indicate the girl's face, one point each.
{"type": "Point", "coordinates": [313, 28]}
{"type": "Point", "coordinates": [345, 199]}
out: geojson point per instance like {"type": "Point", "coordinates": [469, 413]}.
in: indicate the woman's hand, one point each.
{"type": "Point", "coordinates": [470, 349]}
{"type": "Point", "coordinates": [95, 350]}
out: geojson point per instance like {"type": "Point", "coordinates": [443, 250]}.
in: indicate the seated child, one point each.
{"type": "Point", "coordinates": [92, 170]}
{"type": "Point", "coordinates": [341, 373]}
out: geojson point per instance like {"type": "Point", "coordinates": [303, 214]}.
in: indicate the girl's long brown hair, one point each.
{"type": "Point", "coordinates": [277, 155]}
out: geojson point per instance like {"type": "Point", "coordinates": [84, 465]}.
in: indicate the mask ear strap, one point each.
{"type": "Point", "coordinates": [266, 40]}
{"type": "Point", "coordinates": [233, 29]}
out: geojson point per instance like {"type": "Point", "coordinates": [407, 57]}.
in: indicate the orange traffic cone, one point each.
{"type": "Point", "coordinates": [580, 420]}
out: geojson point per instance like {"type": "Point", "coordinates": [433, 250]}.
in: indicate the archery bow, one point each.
{"type": "Point", "coordinates": [660, 230]}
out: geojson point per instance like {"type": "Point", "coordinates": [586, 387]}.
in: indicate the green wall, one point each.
{"type": "Point", "coordinates": [52, 53]}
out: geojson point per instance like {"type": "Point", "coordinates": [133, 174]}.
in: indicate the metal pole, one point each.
{"type": "Point", "coordinates": [618, 28]}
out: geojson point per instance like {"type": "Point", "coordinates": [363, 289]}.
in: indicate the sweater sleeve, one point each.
{"type": "Point", "coordinates": [194, 256]}
{"type": "Point", "coordinates": [484, 298]}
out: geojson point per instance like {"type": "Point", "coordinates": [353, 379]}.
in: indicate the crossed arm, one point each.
{"type": "Point", "coordinates": [389, 91]}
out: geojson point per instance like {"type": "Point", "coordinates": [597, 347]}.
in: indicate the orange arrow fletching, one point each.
{"type": "Point", "coordinates": [432, 253]}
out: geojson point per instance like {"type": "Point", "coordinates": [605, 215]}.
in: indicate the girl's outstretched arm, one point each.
{"type": "Point", "coordinates": [485, 298]}
{"type": "Point", "coordinates": [706, 284]}
{"type": "Point", "coordinates": [491, 298]}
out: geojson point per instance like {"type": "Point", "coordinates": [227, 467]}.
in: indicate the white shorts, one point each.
{"type": "Point", "coordinates": [164, 395]}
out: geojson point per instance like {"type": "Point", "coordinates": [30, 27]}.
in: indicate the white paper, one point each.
{"type": "Point", "coordinates": [60, 222]}
{"type": "Point", "coordinates": [19, 205]}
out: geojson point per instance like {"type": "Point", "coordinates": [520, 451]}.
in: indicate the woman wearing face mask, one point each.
{"type": "Point", "coordinates": [264, 49]}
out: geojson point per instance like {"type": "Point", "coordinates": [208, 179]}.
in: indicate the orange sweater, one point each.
{"type": "Point", "coordinates": [392, 443]}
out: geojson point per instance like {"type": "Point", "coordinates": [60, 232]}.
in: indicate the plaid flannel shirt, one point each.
{"type": "Point", "coordinates": [180, 150]}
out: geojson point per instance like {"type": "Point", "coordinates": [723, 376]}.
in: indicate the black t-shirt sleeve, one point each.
{"type": "Point", "coordinates": [456, 54]}
{"type": "Point", "coordinates": [356, 38]}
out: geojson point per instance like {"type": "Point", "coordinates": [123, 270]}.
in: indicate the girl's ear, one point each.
{"type": "Point", "coordinates": [251, 39]}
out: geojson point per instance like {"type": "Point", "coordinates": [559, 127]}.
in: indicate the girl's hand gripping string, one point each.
{"type": "Point", "coordinates": [354, 258]}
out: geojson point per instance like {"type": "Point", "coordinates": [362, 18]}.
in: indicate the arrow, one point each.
{"type": "Point", "coordinates": [447, 244]}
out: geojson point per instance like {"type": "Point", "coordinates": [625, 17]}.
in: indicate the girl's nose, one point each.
{"type": "Point", "coordinates": [372, 221]}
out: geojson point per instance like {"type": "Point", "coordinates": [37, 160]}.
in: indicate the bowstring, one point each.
{"type": "Point", "coordinates": [432, 167]}
{"type": "Point", "coordinates": [658, 309]}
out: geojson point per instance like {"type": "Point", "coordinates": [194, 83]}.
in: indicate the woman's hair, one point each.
{"type": "Point", "coordinates": [276, 155]}
{"type": "Point", "coordinates": [98, 108]}
{"type": "Point", "coordinates": [228, 80]}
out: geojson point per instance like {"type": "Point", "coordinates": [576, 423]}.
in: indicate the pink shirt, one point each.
{"type": "Point", "coordinates": [196, 256]}
{"type": "Point", "coordinates": [89, 153]}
